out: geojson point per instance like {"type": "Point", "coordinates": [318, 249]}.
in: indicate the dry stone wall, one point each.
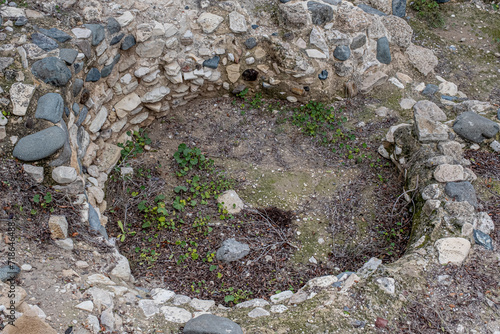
{"type": "Point", "coordinates": [104, 79]}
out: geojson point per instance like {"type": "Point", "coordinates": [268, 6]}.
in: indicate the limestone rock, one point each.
{"type": "Point", "coordinates": [20, 95]}
{"type": "Point", "coordinates": [66, 244]}
{"type": "Point", "coordinates": [87, 305]}
{"type": "Point", "coordinates": [452, 250]}
{"type": "Point", "coordinates": [127, 104]}
{"type": "Point", "coordinates": [294, 15]}
{"type": "Point", "coordinates": [149, 307]}
{"type": "Point", "coordinates": [423, 59]}
{"type": "Point", "coordinates": [257, 302]}
{"type": "Point", "coordinates": [176, 314]}
{"type": "Point", "coordinates": [429, 110]}
{"type": "Point", "coordinates": [122, 268]}
{"type": "Point", "coordinates": [64, 174]}
{"type": "Point", "coordinates": [232, 202]}
{"type": "Point", "coordinates": [258, 312]}
{"type": "Point", "coordinates": [373, 80]}
{"type": "Point", "coordinates": [156, 95]}
{"type": "Point", "coordinates": [430, 131]}
{"type": "Point", "coordinates": [387, 284]}
{"type": "Point", "coordinates": [449, 173]}
{"type": "Point", "coordinates": [237, 22]}
{"type": "Point", "coordinates": [108, 157]}
{"type": "Point", "coordinates": [58, 226]}
{"type": "Point", "coordinates": [150, 49]}
{"type": "Point", "coordinates": [209, 22]}
{"type": "Point", "coordinates": [99, 120]}
{"type": "Point", "coordinates": [400, 32]}
{"type": "Point", "coordinates": [201, 305]}
{"type": "Point", "coordinates": [34, 171]}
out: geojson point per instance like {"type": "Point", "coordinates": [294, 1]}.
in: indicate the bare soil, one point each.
{"type": "Point", "coordinates": [339, 211]}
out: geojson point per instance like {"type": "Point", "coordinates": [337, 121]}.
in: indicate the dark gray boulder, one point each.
{"type": "Point", "coordinates": [97, 33]}
{"type": "Point", "coordinates": [56, 34]}
{"type": "Point", "coordinates": [430, 89]}
{"type": "Point", "coordinates": [128, 42]}
{"type": "Point", "coordinates": [461, 191]}
{"type": "Point", "coordinates": [399, 8]}
{"type": "Point", "coordinates": [106, 70]}
{"type": "Point", "coordinates": [113, 26]}
{"type": "Point", "coordinates": [342, 52]}
{"type": "Point", "coordinates": [383, 51]}
{"type": "Point", "coordinates": [232, 250]}
{"type": "Point", "coordinates": [82, 116]}
{"type": "Point", "coordinates": [68, 55]}
{"type": "Point", "coordinates": [52, 70]}
{"type": "Point", "coordinates": [77, 87]}
{"type": "Point", "coordinates": [371, 10]}
{"type": "Point", "coordinates": [50, 107]}
{"type": "Point", "coordinates": [475, 128]}
{"type": "Point", "coordinates": [211, 324]}
{"type": "Point", "coordinates": [93, 75]}
{"type": "Point", "coordinates": [116, 39]}
{"type": "Point", "coordinates": [40, 145]}
{"type": "Point", "coordinates": [95, 222]}
{"type": "Point", "coordinates": [43, 42]}
{"type": "Point", "coordinates": [320, 13]}
{"type": "Point", "coordinates": [212, 62]}
{"type": "Point", "coordinates": [483, 239]}
{"type": "Point", "coordinates": [9, 272]}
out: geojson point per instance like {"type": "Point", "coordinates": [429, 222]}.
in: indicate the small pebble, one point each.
{"type": "Point", "coordinates": [26, 267]}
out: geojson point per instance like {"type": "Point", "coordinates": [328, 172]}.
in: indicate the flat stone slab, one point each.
{"type": "Point", "coordinates": [429, 130]}
{"type": "Point", "coordinates": [56, 34]}
{"type": "Point", "coordinates": [40, 145]}
{"type": "Point", "coordinates": [258, 312]}
{"type": "Point", "coordinates": [148, 307]}
{"type": "Point", "coordinates": [176, 314]}
{"type": "Point", "coordinates": [211, 324]}
{"type": "Point", "coordinates": [452, 250]}
{"type": "Point", "coordinates": [449, 173]}
{"type": "Point", "coordinates": [429, 110]}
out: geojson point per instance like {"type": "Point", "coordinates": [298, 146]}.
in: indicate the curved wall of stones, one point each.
{"type": "Point", "coordinates": [102, 80]}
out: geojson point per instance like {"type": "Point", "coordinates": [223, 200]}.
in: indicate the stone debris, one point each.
{"type": "Point", "coordinates": [452, 250]}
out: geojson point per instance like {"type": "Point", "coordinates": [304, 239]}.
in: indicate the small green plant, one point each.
{"type": "Point", "coordinates": [123, 234]}
{"type": "Point", "coordinates": [44, 202]}
{"type": "Point", "coordinates": [187, 158]}
{"type": "Point", "coordinates": [132, 148]}
{"type": "Point", "coordinates": [236, 296]}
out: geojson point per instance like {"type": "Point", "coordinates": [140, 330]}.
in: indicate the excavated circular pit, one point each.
{"type": "Point", "coordinates": [312, 209]}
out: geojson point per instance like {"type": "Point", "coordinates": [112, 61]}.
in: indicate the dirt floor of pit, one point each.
{"type": "Point", "coordinates": [339, 218]}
